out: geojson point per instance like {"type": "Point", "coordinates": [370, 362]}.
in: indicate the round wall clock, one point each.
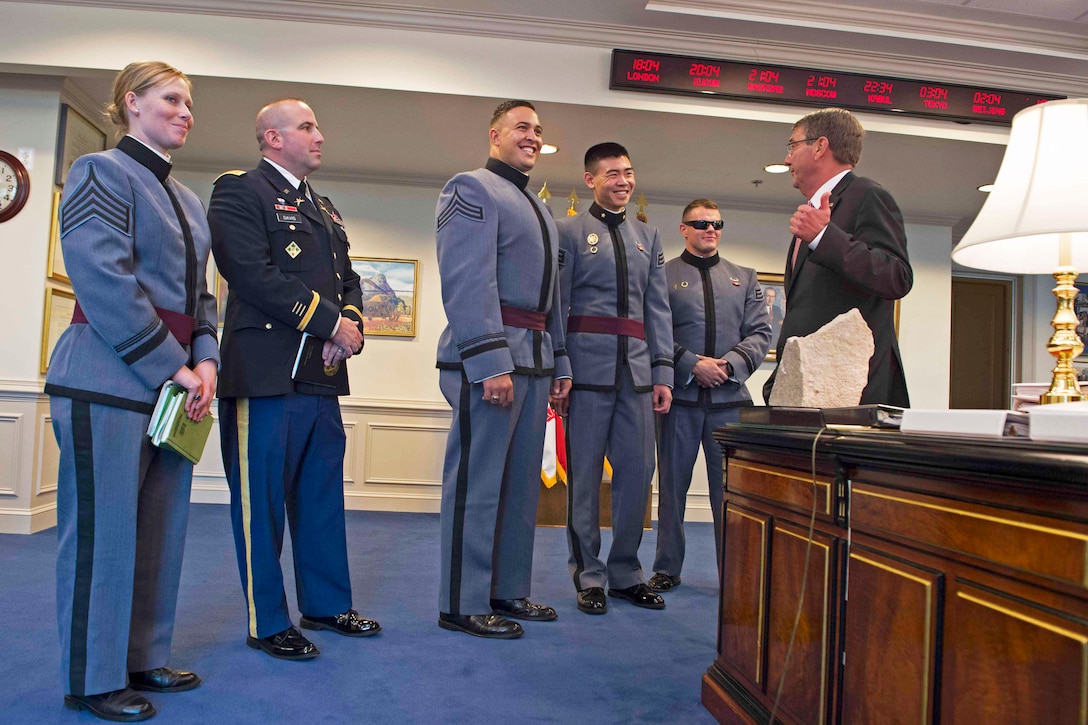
{"type": "Point", "coordinates": [14, 186]}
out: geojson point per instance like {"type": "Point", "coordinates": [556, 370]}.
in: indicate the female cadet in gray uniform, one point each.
{"type": "Point", "coordinates": [136, 247]}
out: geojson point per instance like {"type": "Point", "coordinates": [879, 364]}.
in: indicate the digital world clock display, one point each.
{"type": "Point", "coordinates": [687, 75]}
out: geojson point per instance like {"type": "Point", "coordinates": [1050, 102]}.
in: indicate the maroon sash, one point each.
{"type": "Point", "coordinates": [525, 319]}
{"type": "Point", "coordinates": [606, 325]}
{"type": "Point", "coordinates": [181, 326]}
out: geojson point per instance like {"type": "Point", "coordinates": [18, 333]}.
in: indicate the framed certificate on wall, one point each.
{"type": "Point", "coordinates": [77, 136]}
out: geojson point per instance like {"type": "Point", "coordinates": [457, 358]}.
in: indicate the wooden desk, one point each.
{"type": "Point", "coordinates": [947, 580]}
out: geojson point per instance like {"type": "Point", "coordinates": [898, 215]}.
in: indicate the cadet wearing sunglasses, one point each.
{"type": "Point", "coordinates": [721, 332]}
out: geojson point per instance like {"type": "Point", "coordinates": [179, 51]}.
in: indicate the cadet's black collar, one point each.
{"type": "Point", "coordinates": [611, 218]}
{"type": "Point", "coordinates": [508, 172]}
{"type": "Point", "coordinates": [700, 262]}
{"type": "Point", "coordinates": [156, 164]}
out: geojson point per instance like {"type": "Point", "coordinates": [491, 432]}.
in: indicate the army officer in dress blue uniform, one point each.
{"type": "Point", "coordinates": [136, 247]}
{"type": "Point", "coordinates": [283, 250]}
{"type": "Point", "coordinates": [721, 332]}
{"type": "Point", "coordinates": [500, 357]}
{"type": "Point", "coordinates": [620, 342]}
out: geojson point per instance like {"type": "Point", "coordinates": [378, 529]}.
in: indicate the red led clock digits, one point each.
{"type": "Point", "coordinates": [705, 75]}
{"type": "Point", "coordinates": [987, 104]}
{"type": "Point", "coordinates": [934, 97]}
{"type": "Point", "coordinates": [822, 87]}
{"type": "Point", "coordinates": [764, 81]}
{"type": "Point", "coordinates": [647, 70]}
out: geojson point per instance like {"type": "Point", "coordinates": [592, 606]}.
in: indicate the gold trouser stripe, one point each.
{"type": "Point", "coordinates": [247, 531]}
{"type": "Point", "coordinates": [309, 312]}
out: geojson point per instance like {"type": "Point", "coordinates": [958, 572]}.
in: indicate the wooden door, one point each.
{"type": "Point", "coordinates": [980, 372]}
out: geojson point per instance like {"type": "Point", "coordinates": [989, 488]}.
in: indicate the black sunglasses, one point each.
{"type": "Point", "coordinates": [702, 224]}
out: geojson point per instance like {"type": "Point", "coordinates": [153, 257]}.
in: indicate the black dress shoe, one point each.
{"type": "Point", "coordinates": [163, 679]}
{"type": "Point", "coordinates": [592, 601]}
{"type": "Point", "coordinates": [286, 645]}
{"type": "Point", "coordinates": [523, 609]}
{"type": "Point", "coordinates": [639, 595]}
{"type": "Point", "coordinates": [349, 624]}
{"type": "Point", "coordinates": [118, 706]}
{"type": "Point", "coordinates": [492, 626]}
{"type": "Point", "coordinates": [663, 582]}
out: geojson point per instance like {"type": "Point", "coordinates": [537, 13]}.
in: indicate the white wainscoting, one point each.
{"type": "Point", "coordinates": [393, 460]}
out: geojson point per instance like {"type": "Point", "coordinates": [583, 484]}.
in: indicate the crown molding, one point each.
{"type": "Point", "coordinates": [598, 35]}
{"type": "Point", "coordinates": [889, 22]}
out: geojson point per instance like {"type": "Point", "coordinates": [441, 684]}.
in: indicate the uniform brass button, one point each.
{"type": "Point", "coordinates": [339, 297]}
{"type": "Point", "coordinates": [338, 276]}
{"type": "Point", "coordinates": [268, 325]}
{"type": "Point", "coordinates": [291, 227]}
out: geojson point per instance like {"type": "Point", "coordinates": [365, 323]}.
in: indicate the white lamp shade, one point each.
{"type": "Point", "coordinates": [1041, 193]}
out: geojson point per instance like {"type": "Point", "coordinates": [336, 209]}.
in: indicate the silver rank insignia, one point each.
{"type": "Point", "coordinates": [592, 239]}
{"type": "Point", "coordinates": [293, 250]}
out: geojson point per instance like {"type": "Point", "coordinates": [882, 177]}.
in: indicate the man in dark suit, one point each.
{"type": "Point", "coordinates": [500, 357]}
{"type": "Point", "coordinates": [849, 249]}
{"type": "Point", "coordinates": [283, 250]}
{"type": "Point", "coordinates": [774, 313]}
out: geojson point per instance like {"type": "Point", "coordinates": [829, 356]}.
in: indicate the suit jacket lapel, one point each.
{"type": "Point", "coordinates": [803, 253]}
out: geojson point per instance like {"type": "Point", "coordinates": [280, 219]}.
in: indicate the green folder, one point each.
{"type": "Point", "coordinates": [172, 429]}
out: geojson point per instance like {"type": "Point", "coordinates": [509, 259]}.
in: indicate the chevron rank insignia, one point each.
{"type": "Point", "coordinates": [660, 259]}
{"type": "Point", "coordinates": [562, 257]}
{"type": "Point", "coordinates": [293, 250]}
{"type": "Point", "coordinates": [459, 207]}
{"type": "Point", "coordinates": [93, 200]}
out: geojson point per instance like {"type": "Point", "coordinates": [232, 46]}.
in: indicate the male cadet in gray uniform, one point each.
{"type": "Point", "coordinates": [620, 343]}
{"type": "Point", "coordinates": [283, 249]}
{"type": "Point", "coordinates": [721, 333]}
{"type": "Point", "coordinates": [500, 357]}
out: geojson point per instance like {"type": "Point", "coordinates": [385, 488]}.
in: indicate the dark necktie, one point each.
{"type": "Point", "coordinates": [304, 191]}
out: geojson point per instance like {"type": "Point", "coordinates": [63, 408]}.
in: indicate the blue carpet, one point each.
{"type": "Point", "coordinates": [628, 666]}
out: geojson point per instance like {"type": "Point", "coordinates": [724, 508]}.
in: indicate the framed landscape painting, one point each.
{"type": "Point", "coordinates": [389, 295]}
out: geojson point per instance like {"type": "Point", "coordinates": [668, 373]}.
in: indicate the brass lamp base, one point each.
{"type": "Point", "coordinates": [1064, 344]}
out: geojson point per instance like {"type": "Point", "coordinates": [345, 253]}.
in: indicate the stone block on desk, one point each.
{"type": "Point", "coordinates": [828, 368]}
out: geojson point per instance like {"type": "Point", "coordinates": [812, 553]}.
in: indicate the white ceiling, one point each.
{"type": "Point", "coordinates": [405, 137]}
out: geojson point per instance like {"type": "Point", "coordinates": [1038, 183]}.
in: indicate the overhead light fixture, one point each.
{"type": "Point", "coordinates": [1034, 221]}
{"type": "Point", "coordinates": [548, 148]}
{"type": "Point", "coordinates": [986, 188]}
{"type": "Point", "coordinates": [776, 168]}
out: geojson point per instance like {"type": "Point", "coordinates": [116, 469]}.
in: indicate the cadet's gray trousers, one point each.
{"type": "Point", "coordinates": [621, 424]}
{"type": "Point", "coordinates": [122, 510]}
{"type": "Point", "coordinates": [490, 488]}
{"type": "Point", "coordinates": [683, 429]}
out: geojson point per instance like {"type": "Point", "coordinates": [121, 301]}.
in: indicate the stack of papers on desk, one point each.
{"type": "Point", "coordinates": [994, 423]}
{"type": "Point", "coordinates": [172, 429]}
{"type": "Point", "coordinates": [1060, 422]}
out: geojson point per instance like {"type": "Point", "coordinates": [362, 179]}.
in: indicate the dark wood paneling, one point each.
{"type": "Point", "coordinates": [744, 616]}
{"type": "Point", "coordinates": [965, 569]}
{"type": "Point", "coordinates": [1003, 536]}
{"type": "Point", "coordinates": [1009, 661]}
{"type": "Point", "coordinates": [890, 644]}
{"type": "Point", "coordinates": [805, 689]}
